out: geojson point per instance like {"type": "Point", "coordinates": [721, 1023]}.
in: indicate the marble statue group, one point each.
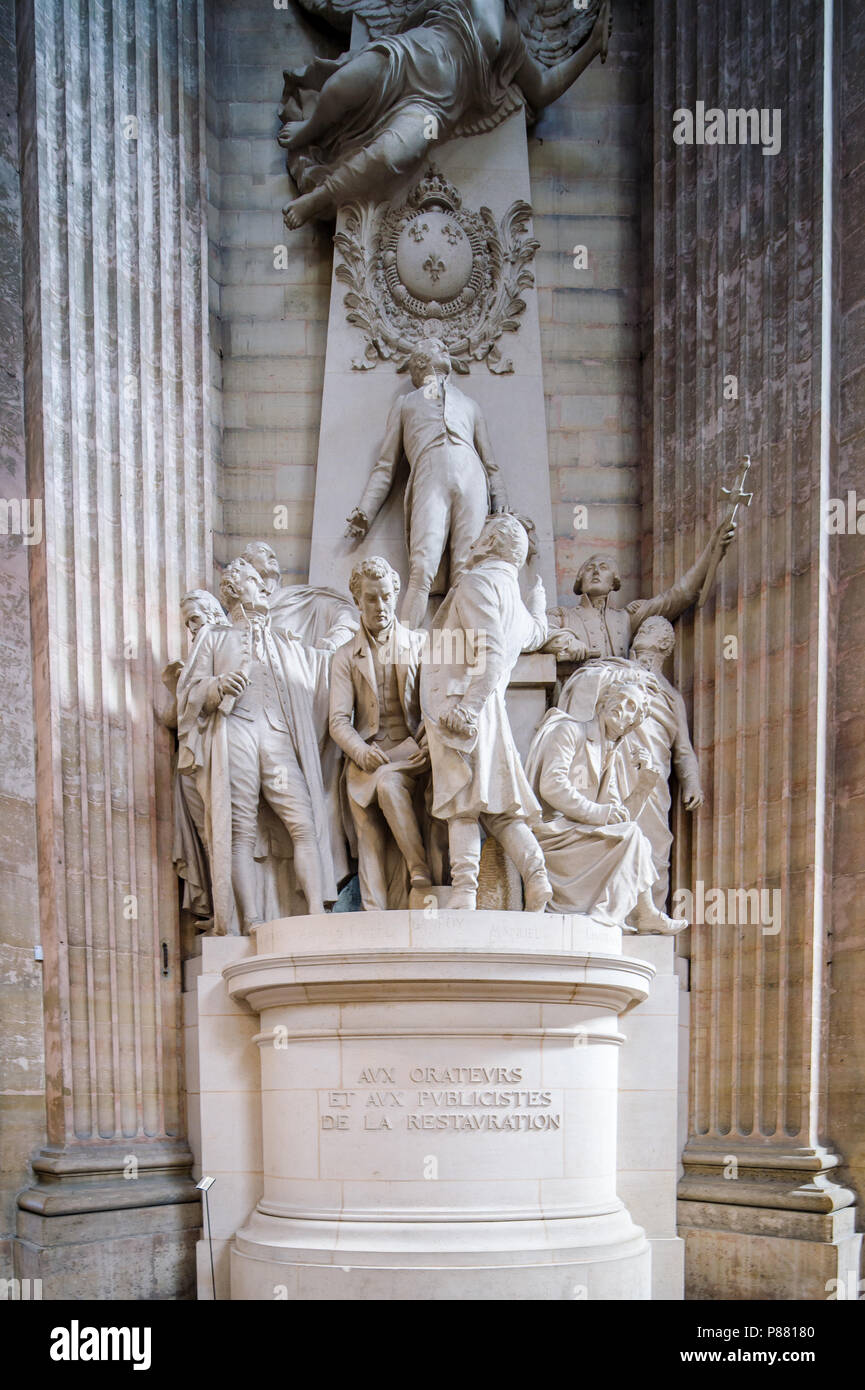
{"type": "Point", "coordinates": [332, 754]}
{"type": "Point", "coordinates": [328, 748]}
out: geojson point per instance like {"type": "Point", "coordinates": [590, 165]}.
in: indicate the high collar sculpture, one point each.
{"type": "Point", "coordinates": [320, 617]}
{"type": "Point", "coordinates": [353, 127]}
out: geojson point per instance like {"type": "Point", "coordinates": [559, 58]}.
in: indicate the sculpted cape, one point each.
{"type": "Point", "coordinates": [298, 672]}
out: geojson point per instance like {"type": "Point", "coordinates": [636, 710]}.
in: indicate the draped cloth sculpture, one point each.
{"type": "Point", "coordinates": [477, 776]}
{"type": "Point", "coordinates": [660, 741]}
{"type": "Point", "coordinates": [598, 860]}
{"type": "Point", "coordinates": [246, 723]}
{"type": "Point", "coordinates": [354, 126]}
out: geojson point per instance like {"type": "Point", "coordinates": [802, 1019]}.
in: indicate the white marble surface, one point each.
{"type": "Point", "coordinates": [391, 992]}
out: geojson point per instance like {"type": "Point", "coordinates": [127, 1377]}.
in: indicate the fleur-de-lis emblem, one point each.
{"type": "Point", "coordinates": [453, 234]}
{"type": "Point", "coordinates": [434, 266]}
{"type": "Point", "coordinates": [416, 231]}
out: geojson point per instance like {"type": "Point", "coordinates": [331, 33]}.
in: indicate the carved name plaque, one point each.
{"type": "Point", "coordinates": [460, 1099]}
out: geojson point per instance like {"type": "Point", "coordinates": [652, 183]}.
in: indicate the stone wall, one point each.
{"type": "Point", "coordinates": [847, 1046]}
{"type": "Point", "coordinates": [273, 303]}
{"type": "Point", "coordinates": [22, 1103]}
{"type": "Point", "coordinates": [739, 293]}
{"type": "Point", "coordinates": [585, 165]}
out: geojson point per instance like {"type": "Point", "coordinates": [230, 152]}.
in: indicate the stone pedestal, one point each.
{"type": "Point", "coordinates": [438, 1105]}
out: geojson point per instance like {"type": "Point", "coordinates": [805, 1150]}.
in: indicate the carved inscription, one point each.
{"type": "Point", "coordinates": [462, 1099]}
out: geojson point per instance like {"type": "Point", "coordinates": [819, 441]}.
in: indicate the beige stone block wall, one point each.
{"type": "Point", "coordinates": [584, 159]}
{"type": "Point", "coordinates": [271, 318]}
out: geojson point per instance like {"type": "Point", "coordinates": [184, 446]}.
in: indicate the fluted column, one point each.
{"type": "Point", "coordinates": [116, 392]}
{"type": "Point", "coordinates": [739, 264]}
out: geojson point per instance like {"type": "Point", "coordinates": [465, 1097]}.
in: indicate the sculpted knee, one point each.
{"type": "Point", "coordinates": [388, 788]}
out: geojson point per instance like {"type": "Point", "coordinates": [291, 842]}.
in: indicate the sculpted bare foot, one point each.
{"type": "Point", "coordinates": [301, 210]}
{"type": "Point", "coordinates": [288, 134]}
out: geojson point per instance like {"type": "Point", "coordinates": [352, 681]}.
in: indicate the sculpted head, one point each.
{"type": "Point", "coordinates": [262, 557]}
{"type": "Point", "coordinates": [241, 585]}
{"type": "Point", "coordinates": [429, 358]}
{"type": "Point", "coordinates": [653, 642]}
{"type": "Point", "coordinates": [622, 707]}
{"type": "Point", "coordinates": [199, 607]}
{"type": "Point", "coordinates": [503, 538]}
{"type": "Point", "coordinates": [597, 576]}
{"type": "Point", "coordinates": [375, 586]}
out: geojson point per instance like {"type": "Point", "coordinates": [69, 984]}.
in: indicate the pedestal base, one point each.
{"type": "Point", "coordinates": [110, 1220]}
{"type": "Point", "coordinates": [756, 1253]}
{"type": "Point", "coordinates": [266, 1264]}
{"type": "Point", "coordinates": [439, 1103]}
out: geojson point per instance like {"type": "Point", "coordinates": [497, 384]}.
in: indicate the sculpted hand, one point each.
{"type": "Point", "coordinates": [725, 533]}
{"type": "Point", "coordinates": [458, 720]}
{"type": "Point", "coordinates": [357, 525]}
{"type": "Point", "coordinates": [617, 815]}
{"type": "Point", "coordinates": [537, 597]}
{"type": "Point", "coordinates": [233, 683]}
{"type": "Point", "coordinates": [171, 675]}
{"type": "Point", "coordinates": [418, 762]}
{"type": "Point", "coordinates": [567, 648]}
{"type": "Point", "coordinates": [373, 758]}
{"type": "Point", "coordinates": [693, 797]}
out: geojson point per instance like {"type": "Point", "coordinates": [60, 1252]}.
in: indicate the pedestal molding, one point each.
{"type": "Point", "coordinates": [567, 1036]}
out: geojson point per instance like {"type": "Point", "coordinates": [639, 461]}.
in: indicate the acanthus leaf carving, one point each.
{"type": "Point", "coordinates": [429, 265]}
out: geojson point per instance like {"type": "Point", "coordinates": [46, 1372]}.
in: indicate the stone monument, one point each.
{"type": "Point", "coordinates": [476, 1048]}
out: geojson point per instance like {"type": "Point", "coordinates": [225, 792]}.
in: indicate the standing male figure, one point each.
{"type": "Point", "coordinates": [197, 608]}
{"type": "Point", "coordinates": [375, 719]}
{"type": "Point", "coordinates": [245, 706]}
{"type": "Point", "coordinates": [477, 775]}
{"type": "Point", "coordinates": [454, 482]}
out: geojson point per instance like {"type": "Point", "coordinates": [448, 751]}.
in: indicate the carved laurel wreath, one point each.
{"type": "Point", "coordinates": [478, 301]}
